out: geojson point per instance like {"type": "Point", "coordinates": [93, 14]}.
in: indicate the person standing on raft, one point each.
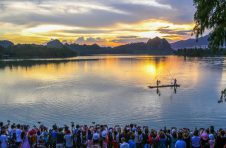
{"type": "Point", "coordinates": [157, 83]}
{"type": "Point", "coordinates": [175, 82]}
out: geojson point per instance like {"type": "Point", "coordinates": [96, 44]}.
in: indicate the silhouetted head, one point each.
{"type": "Point", "coordinates": [180, 135]}
{"type": "Point", "coordinates": [196, 133]}
{"type": "Point", "coordinates": [132, 136]}
{"type": "Point", "coordinates": [161, 134]}
{"type": "Point", "coordinates": [18, 126]}
{"type": "Point", "coordinates": [174, 134]}
{"type": "Point", "coordinates": [60, 129]}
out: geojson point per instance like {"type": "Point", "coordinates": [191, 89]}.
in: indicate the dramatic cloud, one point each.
{"type": "Point", "coordinates": [41, 20]}
{"type": "Point", "coordinates": [89, 40]}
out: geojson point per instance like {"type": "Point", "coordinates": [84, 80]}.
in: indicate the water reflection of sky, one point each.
{"type": "Point", "coordinates": [114, 90]}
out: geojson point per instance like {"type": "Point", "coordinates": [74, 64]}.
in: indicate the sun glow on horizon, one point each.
{"type": "Point", "coordinates": [105, 36]}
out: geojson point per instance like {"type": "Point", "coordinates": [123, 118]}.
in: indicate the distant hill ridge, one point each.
{"type": "Point", "coordinates": [201, 42]}
{"type": "Point", "coordinates": [153, 46]}
{"type": "Point", "coordinates": [55, 44]}
{"type": "Point", "coordinates": [6, 43]}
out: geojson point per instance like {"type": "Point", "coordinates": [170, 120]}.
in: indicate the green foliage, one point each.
{"type": "Point", "coordinates": [211, 15]}
{"type": "Point", "coordinates": [199, 52]}
{"type": "Point", "coordinates": [1, 51]}
{"type": "Point", "coordinates": [37, 51]}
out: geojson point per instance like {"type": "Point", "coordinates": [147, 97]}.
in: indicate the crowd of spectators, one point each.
{"type": "Point", "coordinates": [103, 136]}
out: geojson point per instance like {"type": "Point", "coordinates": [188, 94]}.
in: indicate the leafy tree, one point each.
{"type": "Point", "coordinates": [1, 51]}
{"type": "Point", "coordinates": [211, 15]}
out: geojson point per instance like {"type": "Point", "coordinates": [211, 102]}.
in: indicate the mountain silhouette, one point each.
{"type": "Point", "coordinates": [191, 43]}
{"type": "Point", "coordinates": [55, 44]}
{"type": "Point", "coordinates": [6, 43]}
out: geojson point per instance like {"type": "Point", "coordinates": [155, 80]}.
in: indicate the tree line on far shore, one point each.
{"type": "Point", "coordinates": [35, 51]}
{"type": "Point", "coordinates": [199, 52]}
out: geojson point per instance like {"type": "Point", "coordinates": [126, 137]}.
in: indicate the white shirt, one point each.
{"type": "Point", "coordinates": [124, 145]}
{"type": "Point", "coordinates": [3, 140]}
{"type": "Point", "coordinates": [18, 135]}
{"type": "Point", "coordinates": [11, 132]}
{"type": "Point", "coordinates": [69, 140]}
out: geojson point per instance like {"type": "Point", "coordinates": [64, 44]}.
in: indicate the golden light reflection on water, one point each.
{"type": "Point", "coordinates": [141, 69]}
{"type": "Point", "coordinates": [151, 69]}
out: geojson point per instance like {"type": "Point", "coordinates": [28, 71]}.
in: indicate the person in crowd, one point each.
{"type": "Point", "coordinates": [145, 142]}
{"type": "Point", "coordinates": [138, 138]}
{"type": "Point", "coordinates": [18, 135]}
{"type": "Point", "coordinates": [45, 136]}
{"type": "Point", "coordinates": [89, 138]}
{"type": "Point", "coordinates": [162, 140]}
{"type": "Point", "coordinates": [104, 139]}
{"type": "Point", "coordinates": [60, 138]}
{"type": "Point", "coordinates": [205, 140]}
{"type": "Point", "coordinates": [68, 138]}
{"type": "Point", "coordinates": [110, 138]}
{"type": "Point", "coordinates": [187, 138]}
{"type": "Point", "coordinates": [173, 138]}
{"type": "Point", "coordinates": [196, 140]}
{"type": "Point", "coordinates": [124, 144]}
{"type": "Point", "coordinates": [180, 142]}
{"type": "Point", "coordinates": [211, 140]}
{"type": "Point", "coordinates": [25, 141]}
{"type": "Point", "coordinates": [12, 135]}
{"type": "Point", "coordinates": [132, 143]}
{"type": "Point", "coordinates": [53, 136]}
{"type": "Point", "coordinates": [3, 139]}
{"type": "Point", "coordinates": [115, 141]}
{"type": "Point", "coordinates": [96, 140]}
{"type": "Point", "coordinates": [221, 139]}
{"type": "Point", "coordinates": [153, 139]}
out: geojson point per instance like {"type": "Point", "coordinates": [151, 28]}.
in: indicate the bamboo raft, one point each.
{"type": "Point", "coordinates": [162, 86]}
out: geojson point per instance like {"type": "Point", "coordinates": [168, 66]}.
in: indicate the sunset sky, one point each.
{"type": "Point", "coordinates": [106, 22]}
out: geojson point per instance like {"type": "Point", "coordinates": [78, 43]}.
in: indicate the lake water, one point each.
{"type": "Point", "coordinates": [113, 90]}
